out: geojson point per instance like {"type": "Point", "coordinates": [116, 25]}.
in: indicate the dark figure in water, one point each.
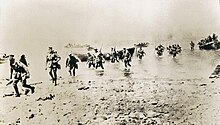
{"type": "Point", "coordinates": [99, 61]}
{"type": "Point", "coordinates": [160, 50]}
{"type": "Point", "coordinates": [11, 62]}
{"type": "Point", "coordinates": [126, 58]}
{"type": "Point", "coordinates": [214, 37]}
{"type": "Point", "coordinates": [52, 60]}
{"type": "Point", "coordinates": [114, 55]}
{"type": "Point", "coordinates": [21, 74]}
{"type": "Point", "coordinates": [175, 49]}
{"type": "Point", "coordinates": [140, 53]}
{"type": "Point", "coordinates": [71, 62]}
{"type": "Point", "coordinates": [192, 45]}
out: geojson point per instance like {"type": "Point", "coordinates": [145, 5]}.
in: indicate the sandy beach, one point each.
{"type": "Point", "coordinates": [154, 91]}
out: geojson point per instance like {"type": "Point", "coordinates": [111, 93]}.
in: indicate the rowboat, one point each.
{"type": "Point", "coordinates": [210, 45]}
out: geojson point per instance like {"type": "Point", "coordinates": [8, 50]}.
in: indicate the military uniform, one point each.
{"type": "Point", "coordinates": [21, 74]}
{"type": "Point", "coordinates": [52, 60]}
{"type": "Point", "coordinates": [71, 62]}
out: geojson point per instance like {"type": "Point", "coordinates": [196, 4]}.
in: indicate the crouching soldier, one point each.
{"type": "Point", "coordinates": [71, 62]}
{"type": "Point", "coordinates": [21, 74]}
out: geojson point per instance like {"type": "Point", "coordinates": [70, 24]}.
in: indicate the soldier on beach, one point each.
{"type": "Point", "coordinates": [52, 60]}
{"type": "Point", "coordinates": [71, 62]}
{"type": "Point", "coordinates": [91, 60]}
{"type": "Point", "coordinates": [11, 62]}
{"type": "Point", "coordinates": [21, 74]}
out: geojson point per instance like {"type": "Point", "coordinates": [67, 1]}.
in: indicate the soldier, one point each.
{"type": "Point", "coordinates": [91, 60]}
{"type": "Point", "coordinates": [52, 60]}
{"type": "Point", "coordinates": [160, 50]}
{"type": "Point", "coordinates": [11, 62]}
{"type": "Point", "coordinates": [192, 44]}
{"type": "Point", "coordinates": [100, 60]}
{"type": "Point", "coordinates": [21, 74]}
{"type": "Point", "coordinates": [214, 37]}
{"type": "Point", "coordinates": [140, 53]}
{"type": "Point", "coordinates": [71, 62]}
{"type": "Point", "coordinates": [126, 58]}
{"type": "Point", "coordinates": [174, 51]}
{"type": "Point", "coordinates": [114, 55]}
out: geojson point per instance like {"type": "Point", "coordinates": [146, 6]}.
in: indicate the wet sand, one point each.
{"type": "Point", "coordinates": [156, 91]}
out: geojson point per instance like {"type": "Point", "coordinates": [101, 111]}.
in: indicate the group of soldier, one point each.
{"type": "Point", "coordinates": [19, 73]}
{"type": "Point", "coordinates": [52, 63]}
{"type": "Point", "coordinates": [97, 59]}
{"type": "Point", "coordinates": [172, 49]}
{"type": "Point", "coordinates": [208, 39]}
{"type": "Point", "coordinates": [19, 69]}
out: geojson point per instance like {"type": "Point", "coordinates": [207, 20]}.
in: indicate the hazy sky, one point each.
{"type": "Point", "coordinates": [39, 23]}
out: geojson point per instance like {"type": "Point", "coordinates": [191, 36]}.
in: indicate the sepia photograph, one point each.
{"type": "Point", "coordinates": [109, 62]}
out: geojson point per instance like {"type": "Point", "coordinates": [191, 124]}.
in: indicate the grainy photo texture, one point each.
{"type": "Point", "coordinates": [109, 62]}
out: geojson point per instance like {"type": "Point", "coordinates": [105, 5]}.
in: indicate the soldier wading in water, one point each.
{"type": "Point", "coordinates": [126, 58]}
{"type": "Point", "coordinates": [52, 60]}
{"type": "Point", "coordinates": [140, 53]}
{"type": "Point", "coordinates": [99, 61]}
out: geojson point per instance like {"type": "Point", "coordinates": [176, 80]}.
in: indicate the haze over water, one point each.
{"type": "Point", "coordinates": [30, 26]}
{"type": "Point", "coordinates": [37, 24]}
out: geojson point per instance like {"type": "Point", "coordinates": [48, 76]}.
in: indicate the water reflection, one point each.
{"type": "Point", "coordinates": [99, 72]}
{"type": "Point", "coordinates": [177, 61]}
{"type": "Point", "coordinates": [127, 73]}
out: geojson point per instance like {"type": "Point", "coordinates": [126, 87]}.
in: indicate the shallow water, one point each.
{"type": "Point", "coordinates": [197, 64]}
